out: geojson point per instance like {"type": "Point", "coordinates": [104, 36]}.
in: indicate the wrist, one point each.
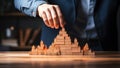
{"type": "Point", "coordinates": [39, 9]}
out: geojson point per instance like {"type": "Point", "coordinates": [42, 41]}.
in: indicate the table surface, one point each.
{"type": "Point", "coordinates": [19, 59]}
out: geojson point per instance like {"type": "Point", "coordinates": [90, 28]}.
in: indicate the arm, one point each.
{"type": "Point", "coordinates": [29, 7]}
{"type": "Point", "coordinates": [51, 14]}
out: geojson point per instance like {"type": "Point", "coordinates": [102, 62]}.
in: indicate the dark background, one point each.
{"type": "Point", "coordinates": [118, 29]}
{"type": "Point", "coordinates": [9, 16]}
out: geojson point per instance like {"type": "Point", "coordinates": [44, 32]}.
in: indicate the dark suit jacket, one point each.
{"type": "Point", "coordinates": [118, 23]}
{"type": "Point", "coordinates": [105, 19]}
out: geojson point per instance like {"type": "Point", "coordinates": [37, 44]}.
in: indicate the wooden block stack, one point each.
{"type": "Point", "coordinates": [39, 50]}
{"type": "Point", "coordinates": [87, 51]}
{"type": "Point", "coordinates": [61, 45]}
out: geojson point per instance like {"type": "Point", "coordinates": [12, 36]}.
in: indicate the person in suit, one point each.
{"type": "Point", "coordinates": [118, 25]}
{"type": "Point", "coordinates": [91, 21]}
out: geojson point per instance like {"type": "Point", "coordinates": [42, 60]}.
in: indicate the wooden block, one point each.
{"type": "Point", "coordinates": [76, 50]}
{"type": "Point", "coordinates": [42, 46]}
{"type": "Point", "coordinates": [58, 42]}
{"type": "Point", "coordinates": [66, 53]}
{"type": "Point", "coordinates": [91, 53]}
{"type": "Point", "coordinates": [39, 48]}
{"type": "Point", "coordinates": [75, 40]}
{"type": "Point", "coordinates": [67, 40]}
{"type": "Point", "coordinates": [64, 32]}
{"type": "Point", "coordinates": [44, 52]}
{"type": "Point", "coordinates": [85, 53]}
{"type": "Point", "coordinates": [30, 53]}
{"type": "Point", "coordinates": [52, 46]}
{"type": "Point", "coordinates": [33, 48]}
{"type": "Point", "coordinates": [41, 43]}
{"type": "Point", "coordinates": [73, 45]}
{"type": "Point", "coordinates": [62, 45]}
{"type": "Point", "coordinates": [49, 52]}
{"type": "Point", "coordinates": [39, 52]}
{"type": "Point", "coordinates": [77, 53]}
{"type": "Point", "coordinates": [63, 29]}
{"type": "Point", "coordinates": [33, 52]}
{"type": "Point", "coordinates": [76, 43]}
{"type": "Point", "coordinates": [65, 45]}
{"type": "Point", "coordinates": [86, 47]}
{"type": "Point", "coordinates": [56, 46]}
{"type": "Point", "coordinates": [60, 32]}
{"type": "Point", "coordinates": [68, 43]}
{"type": "Point", "coordinates": [59, 45]}
{"type": "Point", "coordinates": [81, 51]}
{"type": "Point", "coordinates": [65, 35]}
{"type": "Point", "coordinates": [60, 37]}
{"type": "Point", "coordinates": [56, 52]}
{"type": "Point", "coordinates": [65, 50]}
{"type": "Point", "coordinates": [45, 47]}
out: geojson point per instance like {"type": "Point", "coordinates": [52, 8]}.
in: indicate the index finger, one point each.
{"type": "Point", "coordinates": [60, 16]}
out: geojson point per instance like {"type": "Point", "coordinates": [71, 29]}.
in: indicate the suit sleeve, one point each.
{"type": "Point", "coordinates": [28, 7]}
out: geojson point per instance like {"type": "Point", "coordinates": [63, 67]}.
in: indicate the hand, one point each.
{"type": "Point", "coordinates": [51, 15]}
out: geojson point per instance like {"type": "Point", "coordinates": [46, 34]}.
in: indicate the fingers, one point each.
{"type": "Point", "coordinates": [49, 18]}
{"type": "Point", "coordinates": [60, 17]}
{"type": "Point", "coordinates": [55, 17]}
{"type": "Point", "coordinates": [51, 15]}
{"type": "Point", "coordinates": [44, 16]}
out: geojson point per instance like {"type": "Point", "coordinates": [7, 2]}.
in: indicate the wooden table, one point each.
{"type": "Point", "coordinates": [22, 59]}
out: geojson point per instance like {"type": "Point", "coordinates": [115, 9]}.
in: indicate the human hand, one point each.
{"type": "Point", "coordinates": [51, 15]}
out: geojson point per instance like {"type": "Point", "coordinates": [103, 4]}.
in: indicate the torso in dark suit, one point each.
{"type": "Point", "coordinates": [105, 21]}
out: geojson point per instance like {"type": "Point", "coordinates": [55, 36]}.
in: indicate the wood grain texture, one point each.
{"type": "Point", "coordinates": [25, 57]}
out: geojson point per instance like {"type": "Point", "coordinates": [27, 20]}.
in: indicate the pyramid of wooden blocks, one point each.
{"type": "Point", "coordinates": [61, 45]}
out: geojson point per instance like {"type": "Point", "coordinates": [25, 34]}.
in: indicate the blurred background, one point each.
{"type": "Point", "coordinates": [19, 32]}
